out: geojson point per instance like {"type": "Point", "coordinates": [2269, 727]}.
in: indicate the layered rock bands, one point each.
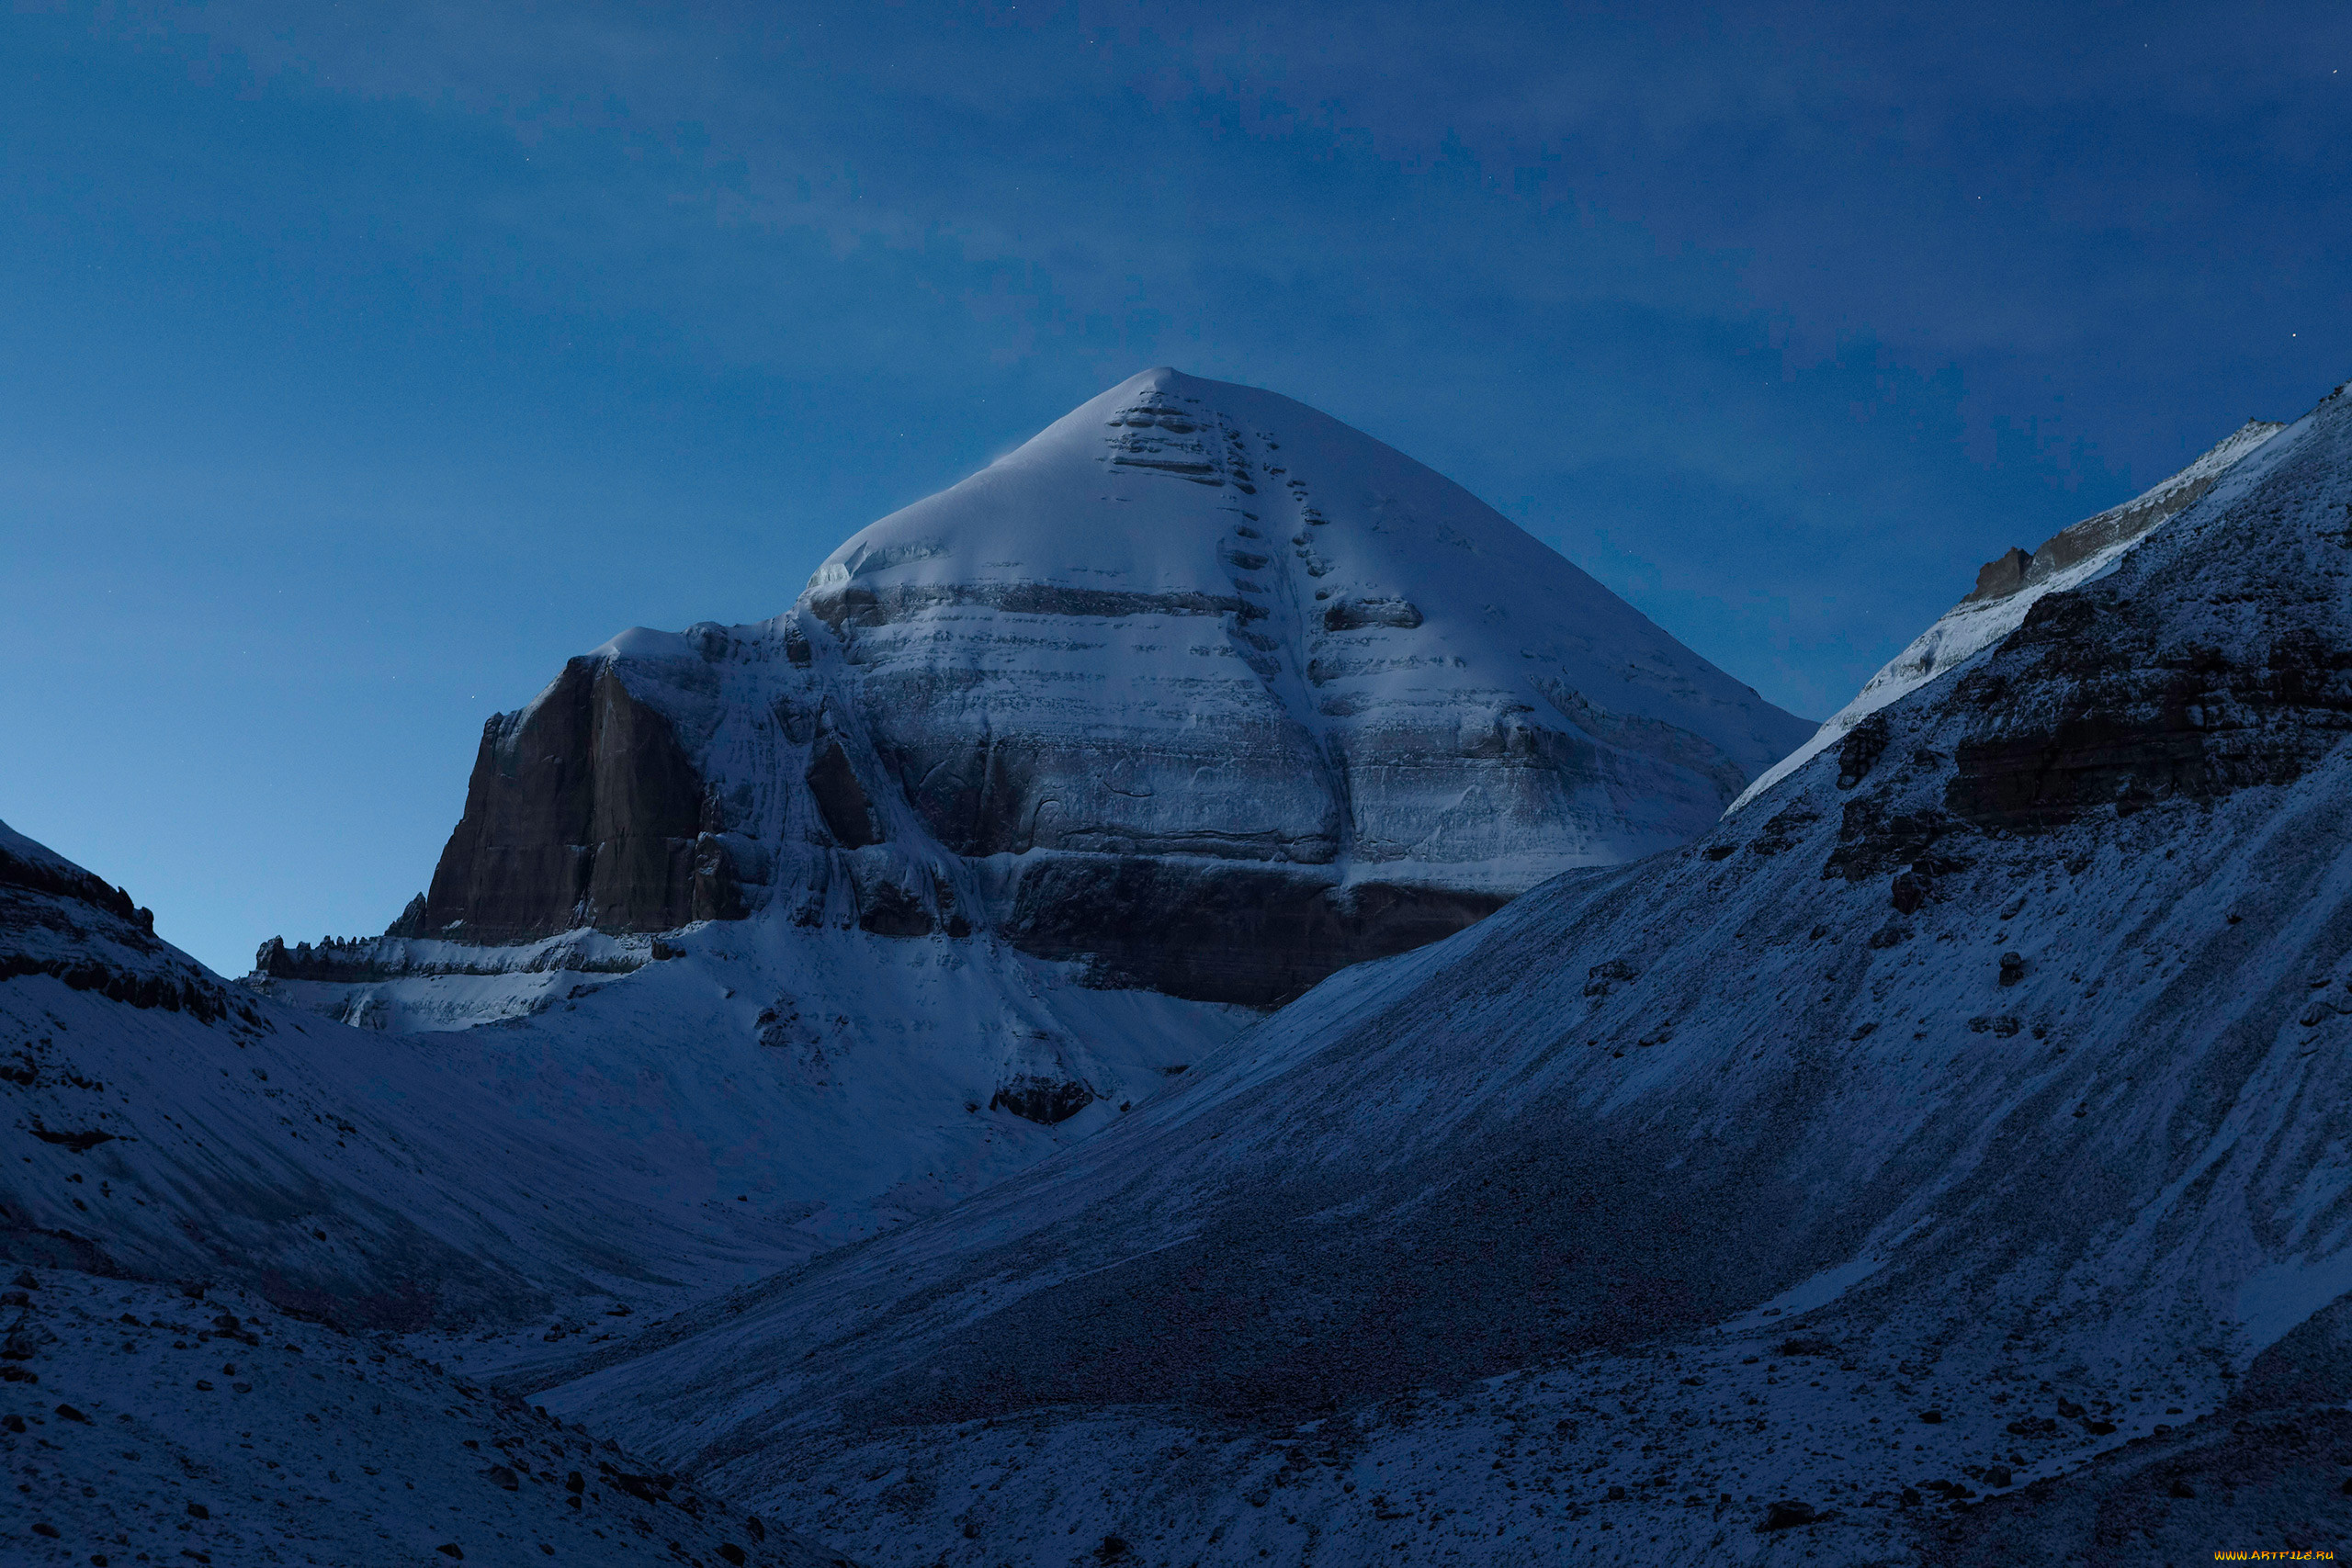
{"type": "Point", "coordinates": [1199, 687]}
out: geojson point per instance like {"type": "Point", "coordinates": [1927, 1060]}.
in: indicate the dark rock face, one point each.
{"type": "Point", "coordinates": [1910, 892]}
{"type": "Point", "coordinates": [26, 874]}
{"type": "Point", "coordinates": [1353, 615]}
{"type": "Point", "coordinates": [976, 799]}
{"type": "Point", "coordinates": [2003, 575]}
{"type": "Point", "coordinates": [410, 921]}
{"type": "Point", "coordinates": [2121, 719]}
{"type": "Point", "coordinates": [1042, 1099]}
{"type": "Point", "coordinates": [582, 810]}
{"type": "Point", "coordinates": [1861, 751]}
{"type": "Point", "coordinates": [885, 909]}
{"type": "Point", "coordinates": [51, 909]}
{"type": "Point", "coordinates": [849, 816]}
{"type": "Point", "coordinates": [1256, 935]}
{"type": "Point", "coordinates": [172, 993]}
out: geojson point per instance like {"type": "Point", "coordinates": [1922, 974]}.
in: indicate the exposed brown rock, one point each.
{"type": "Point", "coordinates": [1256, 935]}
{"type": "Point", "coordinates": [2093, 535]}
{"type": "Point", "coordinates": [2001, 576]}
{"type": "Point", "coordinates": [582, 810]}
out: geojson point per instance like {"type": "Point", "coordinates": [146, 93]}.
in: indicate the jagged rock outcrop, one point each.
{"type": "Point", "coordinates": [1045, 1100]}
{"type": "Point", "coordinates": [582, 810]}
{"type": "Point", "coordinates": [60, 920]}
{"type": "Point", "coordinates": [2001, 576]}
{"type": "Point", "coordinates": [391, 956]}
{"type": "Point", "coordinates": [2018, 568]}
{"type": "Point", "coordinates": [1199, 687]}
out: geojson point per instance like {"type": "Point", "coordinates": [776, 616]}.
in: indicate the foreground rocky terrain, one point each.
{"type": "Point", "coordinates": [1938, 1156]}
{"type": "Point", "coordinates": [149, 1424]}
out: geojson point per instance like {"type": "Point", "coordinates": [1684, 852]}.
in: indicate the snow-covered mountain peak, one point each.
{"type": "Point", "coordinates": [1173, 496]}
{"type": "Point", "coordinates": [1137, 489]}
{"type": "Point", "coordinates": [1035, 796]}
{"type": "Point", "coordinates": [1044, 786]}
{"type": "Point", "coordinates": [1198, 687]}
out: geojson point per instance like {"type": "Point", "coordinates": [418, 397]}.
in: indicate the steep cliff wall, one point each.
{"type": "Point", "coordinates": [582, 810]}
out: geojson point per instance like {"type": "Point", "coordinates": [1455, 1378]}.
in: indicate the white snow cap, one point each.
{"type": "Point", "coordinates": [1173, 484]}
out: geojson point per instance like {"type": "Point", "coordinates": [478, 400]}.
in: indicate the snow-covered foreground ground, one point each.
{"type": "Point", "coordinates": [1730, 1449]}
{"type": "Point", "coordinates": [142, 1423]}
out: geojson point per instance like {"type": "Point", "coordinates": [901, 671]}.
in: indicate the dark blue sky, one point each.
{"type": "Point", "coordinates": [358, 364]}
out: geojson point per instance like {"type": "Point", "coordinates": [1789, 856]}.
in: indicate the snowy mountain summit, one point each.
{"type": "Point", "coordinates": [1199, 688]}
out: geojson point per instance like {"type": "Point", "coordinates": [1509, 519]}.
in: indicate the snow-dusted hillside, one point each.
{"type": "Point", "coordinates": [1199, 688]}
{"type": "Point", "coordinates": [218, 1219]}
{"type": "Point", "coordinates": [2009, 587]}
{"type": "Point", "coordinates": [682, 1137]}
{"type": "Point", "coordinates": [1940, 1158]}
{"type": "Point", "coordinates": [166, 1124]}
{"type": "Point", "coordinates": [143, 1424]}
